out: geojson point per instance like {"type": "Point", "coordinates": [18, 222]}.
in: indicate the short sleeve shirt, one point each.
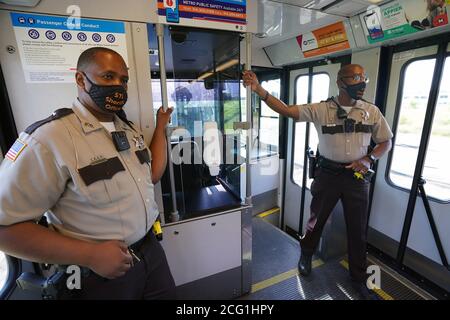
{"type": "Point", "coordinates": [345, 147]}
{"type": "Point", "coordinates": [45, 178]}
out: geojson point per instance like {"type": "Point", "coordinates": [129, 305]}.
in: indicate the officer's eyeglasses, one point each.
{"type": "Point", "coordinates": [357, 78]}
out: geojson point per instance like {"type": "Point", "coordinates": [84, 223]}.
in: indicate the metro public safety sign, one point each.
{"type": "Point", "coordinates": [217, 14]}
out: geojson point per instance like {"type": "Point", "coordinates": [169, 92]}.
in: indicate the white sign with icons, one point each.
{"type": "Point", "coordinates": [49, 46]}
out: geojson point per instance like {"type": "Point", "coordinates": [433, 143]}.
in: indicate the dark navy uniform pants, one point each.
{"type": "Point", "coordinates": [149, 279]}
{"type": "Point", "coordinates": [327, 189]}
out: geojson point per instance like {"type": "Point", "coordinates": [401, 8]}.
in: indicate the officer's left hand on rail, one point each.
{"type": "Point", "coordinates": [163, 117]}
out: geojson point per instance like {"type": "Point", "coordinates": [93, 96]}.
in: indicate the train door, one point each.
{"type": "Point", "coordinates": [402, 224]}
{"type": "Point", "coordinates": [307, 85]}
{"type": "Point", "coordinates": [265, 149]}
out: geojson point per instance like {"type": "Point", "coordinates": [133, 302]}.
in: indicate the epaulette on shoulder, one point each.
{"type": "Point", "coordinates": [55, 115]}
{"type": "Point", "coordinates": [368, 102]}
{"type": "Point", "coordinates": [122, 116]}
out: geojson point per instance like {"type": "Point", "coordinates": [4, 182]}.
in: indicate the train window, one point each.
{"type": "Point", "coordinates": [269, 121]}
{"type": "Point", "coordinates": [435, 170]}
{"type": "Point", "coordinates": [3, 270]}
{"type": "Point", "coordinates": [320, 90]}
{"type": "Point", "coordinates": [197, 103]}
{"type": "Point", "coordinates": [413, 107]}
{"type": "Point", "coordinates": [302, 89]}
{"type": "Point", "coordinates": [202, 77]}
{"type": "Point", "coordinates": [301, 93]}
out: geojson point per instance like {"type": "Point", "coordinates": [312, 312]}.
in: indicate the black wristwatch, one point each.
{"type": "Point", "coordinates": [372, 158]}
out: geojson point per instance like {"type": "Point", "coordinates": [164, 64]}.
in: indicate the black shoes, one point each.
{"type": "Point", "coordinates": [364, 292]}
{"type": "Point", "coordinates": [304, 264]}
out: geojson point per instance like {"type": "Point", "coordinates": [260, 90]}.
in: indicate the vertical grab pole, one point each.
{"type": "Point", "coordinates": [248, 66]}
{"type": "Point", "coordinates": [165, 102]}
{"type": "Point", "coordinates": [246, 216]}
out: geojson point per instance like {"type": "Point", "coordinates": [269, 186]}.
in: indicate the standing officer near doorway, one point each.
{"type": "Point", "coordinates": [89, 169]}
{"type": "Point", "coordinates": [345, 125]}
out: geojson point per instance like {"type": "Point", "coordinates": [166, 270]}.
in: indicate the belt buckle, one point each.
{"type": "Point", "coordinates": [138, 244]}
{"type": "Point", "coordinates": [133, 256]}
{"type": "Point", "coordinates": [135, 249]}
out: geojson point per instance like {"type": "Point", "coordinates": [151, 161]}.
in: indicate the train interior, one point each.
{"type": "Point", "coordinates": [232, 217]}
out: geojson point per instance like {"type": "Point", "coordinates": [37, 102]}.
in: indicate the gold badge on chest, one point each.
{"type": "Point", "coordinates": [139, 142]}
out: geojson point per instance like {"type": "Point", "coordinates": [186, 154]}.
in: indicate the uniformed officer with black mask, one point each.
{"type": "Point", "coordinates": [345, 125]}
{"type": "Point", "coordinates": [88, 168]}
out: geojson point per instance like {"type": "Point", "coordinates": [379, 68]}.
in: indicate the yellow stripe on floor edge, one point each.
{"type": "Point", "coordinates": [281, 277]}
{"type": "Point", "coordinates": [379, 292]}
{"type": "Point", "coordinates": [268, 212]}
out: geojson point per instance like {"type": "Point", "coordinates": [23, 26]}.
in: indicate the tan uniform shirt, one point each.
{"type": "Point", "coordinates": [44, 177]}
{"type": "Point", "coordinates": [345, 147]}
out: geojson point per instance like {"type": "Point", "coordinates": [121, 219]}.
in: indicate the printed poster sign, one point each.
{"type": "Point", "coordinates": [218, 14]}
{"type": "Point", "coordinates": [330, 39]}
{"type": "Point", "coordinates": [49, 46]}
{"type": "Point", "coordinates": [403, 17]}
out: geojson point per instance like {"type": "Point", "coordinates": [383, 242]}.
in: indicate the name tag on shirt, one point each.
{"type": "Point", "coordinates": [104, 170]}
{"type": "Point", "coordinates": [143, 156]}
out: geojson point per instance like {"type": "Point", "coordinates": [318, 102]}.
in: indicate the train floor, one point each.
{"type": "Point", "coordinates": [275, 275]}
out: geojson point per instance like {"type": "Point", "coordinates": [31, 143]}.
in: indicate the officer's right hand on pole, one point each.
{"type": "Point", "coordinates": [250, 79]}
{"type": "Point", "coordinates": [110, 259]}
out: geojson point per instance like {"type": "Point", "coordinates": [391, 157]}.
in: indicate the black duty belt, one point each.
{"type": "Point", "coordinates": [329, 165]}
{"type": "Point", "coordinates": [358, 127]}
{"type": "Point", "coordinates": [136, 247]}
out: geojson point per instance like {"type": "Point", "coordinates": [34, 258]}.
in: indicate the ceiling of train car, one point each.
{"type": "Point", "coordinates": [284, 19]}
{"type": "Point", "coordinates": [194, 52]}
{"type": "Point", "coordinates": [345, 8]}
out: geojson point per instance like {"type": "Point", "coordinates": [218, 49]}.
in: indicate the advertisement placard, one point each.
{"type": "Point", "coordinates": [330, 39]}
{"type": "Point", "coordinates": [400, 18]}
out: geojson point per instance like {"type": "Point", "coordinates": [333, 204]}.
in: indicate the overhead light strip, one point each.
{"type": "Point", "coordinates": [330, 5]}
{"type": "Point", "coordinates": [305, 7]}
{"type": "Point", "coordinates": [220, 68]}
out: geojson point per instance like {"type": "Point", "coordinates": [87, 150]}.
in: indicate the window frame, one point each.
{"type": "Point", "coordinates": [395, 126]}
{"type": "Point", "coordinates": [267, 76]}
{"type": "Point", "coordinates": [14, 270]}
{"type": "Point", "coordinates": [295, 122]}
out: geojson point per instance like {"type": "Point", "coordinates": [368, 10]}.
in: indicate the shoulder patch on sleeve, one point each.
{"type": "Point", "coordinates": [15, 150]}
{"type": "Point", "coordinates": [55, 115]}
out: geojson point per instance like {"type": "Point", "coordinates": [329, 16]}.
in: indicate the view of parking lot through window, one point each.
{"type": "Point", "coordinates": [410, 124]}
{"type": "Point", "coordinates": [320, 90]}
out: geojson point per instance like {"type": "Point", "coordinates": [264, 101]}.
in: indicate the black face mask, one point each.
{"type": "Point", "coordinates": [352, 90]}
{"type": "Point", "coordinates": [108, 98]}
